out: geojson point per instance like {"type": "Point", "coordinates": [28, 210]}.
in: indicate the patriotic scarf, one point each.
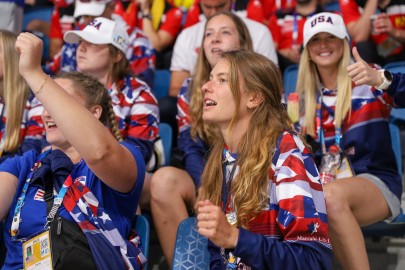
{"type": "Point", "coordinates": [109, 249]}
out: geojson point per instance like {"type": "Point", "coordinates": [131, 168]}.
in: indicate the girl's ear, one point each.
{"type": "Point", "coordinates": [96, 110]}
{"type": "Point", "coordinates": [118, 56]}
{"type": "Point", "coordinates": [255, 99]}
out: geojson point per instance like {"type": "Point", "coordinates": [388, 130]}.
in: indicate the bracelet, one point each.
{"type": "Point", "coordinates": [41, 88]}
{"type": "Point", "coordinates": [147, 16]}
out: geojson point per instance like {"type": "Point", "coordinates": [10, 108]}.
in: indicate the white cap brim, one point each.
{"type": "Point", "coordinates": [330, 30]}
{"type": "Point", "coordinates": [74, 36]}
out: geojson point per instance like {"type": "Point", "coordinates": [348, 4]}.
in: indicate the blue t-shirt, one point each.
{"type": "Point", "coordinates": [121, 207]}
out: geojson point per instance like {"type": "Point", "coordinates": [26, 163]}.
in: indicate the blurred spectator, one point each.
{"type": "Point", "coordinates": [37, 15]}
{"type": "Point", "coordinates": [186, 4]}
{"type": "Point", "coordinates": [161, 22]}
{"type": "Point", "coordinates": [189, 41]}
{"type": "Point", "coordinates": [140, 53]}
{"type": "Point", "coordinates": [273, 6]}
{"type": "Point", "coordinates": [11, 15]}
{"type": "Point", "coordinates": [186, 49]}
{"type": "Point", "coordinates": [377, 28]}
{"type": "Point", "coordinates": [62, 20]}
{"type": "Point", "coordinates": [286, 26]}
{"type": "Point", "coordinates": [201, 9]}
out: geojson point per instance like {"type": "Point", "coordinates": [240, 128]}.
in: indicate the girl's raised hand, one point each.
{"type": "Point", "coordinates": [30, 49]}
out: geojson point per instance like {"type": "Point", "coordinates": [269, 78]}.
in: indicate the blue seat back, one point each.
{"type": "Point", "coordinates": [332, 7]}
{"type": "Point", "coordinates": [161, 83]}
{"type": "Point", "coordinates": [397, 227]}
{"type": "Point", "coordinates": [143, 229]}
{"type": "Point", "coordinates": [166, 134]}
{"type": "Point", "coordinates": [396, 145]}
{"type": "Point", "coordinates": [290, 77]}
{"type": "Point", "coordinates": [2, 245]}
{"type": "Point", "coordinates": [397, 115]}
{"type": "Point", "coordinates": [191, 247]}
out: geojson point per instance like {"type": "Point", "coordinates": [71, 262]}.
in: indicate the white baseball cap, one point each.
{"type": "Point", "coordinates": [101, 31]}
{"type": "Point", "coordinates": [325, 22]}
{"type": "Point", "coordinates": [90, 7]}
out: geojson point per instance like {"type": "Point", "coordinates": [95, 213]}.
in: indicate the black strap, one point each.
{"type": "Point", "coordinates": [70, 249]}
{"type": "Point", "coordinates": [48, 196]}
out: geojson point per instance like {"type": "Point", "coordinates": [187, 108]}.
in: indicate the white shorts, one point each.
{"type": "Point", "coordinates": [393, 203]}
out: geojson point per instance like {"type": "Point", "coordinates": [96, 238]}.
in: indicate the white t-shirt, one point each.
{"type": "Point", "coordinates": [189, 41]}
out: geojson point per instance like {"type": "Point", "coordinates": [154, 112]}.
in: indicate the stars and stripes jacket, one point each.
{"type": "Point", "coordinates": [291, 231]}
{"type": "Point", "coordinates": [365, 130]}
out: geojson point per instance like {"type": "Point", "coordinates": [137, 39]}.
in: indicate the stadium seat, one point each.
{"type": "Point", "coordinates": [290, 77]}
{"type": "Point", "coordinates": [397, 115]}
{"type": "Point", "coordinates": [2, 245]}
{"type": "Point", "coordinates": [161, 83]}
{"type": "Point", "coordinates": [166, 134]}
{"type": "Point", "coordinates": [190, 250]}
{"type": "Point", "coordinates": [143, 230]}
{"type": "Point", "coordinates": [332, 7]}
{"type": "Point", "coordinates": [395, 228]}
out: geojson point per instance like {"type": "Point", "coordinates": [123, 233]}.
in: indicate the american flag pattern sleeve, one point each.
{"type": "Point", "coordinates": [136, 110]}
{"type": "Point", "coordinates": [183, 103]}
{"type": "Point", "coordinates": [141, 56]}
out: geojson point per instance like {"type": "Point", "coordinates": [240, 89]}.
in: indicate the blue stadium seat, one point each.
{"type": "Point", "coordinates": [166, 134]}
{"type": "Point", "coordinates": [290, 77]}
{"type": "Point", "coordinates": [396, 145]}
{"type": "Point", "coordinates": [190, 251]}
{"type": "Point", "coordinates": [143, 230]}
{"type": "Point", "coordinates": [397, 115]}
{"type": "Point", "coordinates": [395, 228]}
{"type": "Point", "coordinates": [161, 83]}
{"type": "Point", "coordinates": [2, 245]}
{"type": "Point", "coordinates": [332, 7]}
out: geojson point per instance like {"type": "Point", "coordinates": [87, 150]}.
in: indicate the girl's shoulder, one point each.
{"type": "Point", "coordinates": [289, 140]}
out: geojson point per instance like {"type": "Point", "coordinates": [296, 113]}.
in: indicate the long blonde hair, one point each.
{"type": "Point", "coordinates": [15, 92]}
{"type": "Point", "coordinates": [201, 76]}
{"type": "Point", "coordinates": [309, 85]}
{"type": "Point", "coordinates": [258, 75]}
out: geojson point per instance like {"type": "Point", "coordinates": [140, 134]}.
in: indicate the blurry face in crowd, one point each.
{"type": "Point", "coordinates": [210, 7]}
{"type": "Point", "coordinates": [220, 35]}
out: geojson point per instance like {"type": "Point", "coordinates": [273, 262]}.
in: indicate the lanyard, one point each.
{"type": "Point", "coordinates": [226, 185]}
{"type": "Point", "coordinates": [321, 131]}
{"type": "Point", "coordinates": [295, 30]}
{"type": "Point", "coordinates": [229, 159]}
{"type": "Point", "coordinates": [20, 202]}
